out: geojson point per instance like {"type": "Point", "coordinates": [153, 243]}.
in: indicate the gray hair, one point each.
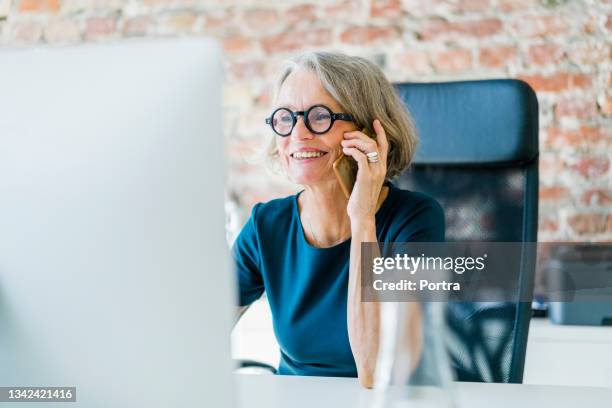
{"type": "Point", "coordinates": [362, 90]}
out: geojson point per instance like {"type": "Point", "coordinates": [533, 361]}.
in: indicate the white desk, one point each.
{"type": "Point", "coordinates": [568, 355]}
{"type": "Point", "coordinates": [556, 355]}
{"type": "Point", "coordinates": [271, 391]}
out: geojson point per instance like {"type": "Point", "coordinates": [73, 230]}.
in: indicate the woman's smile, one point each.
{"type": "Point", "coordinates": [307, 155]}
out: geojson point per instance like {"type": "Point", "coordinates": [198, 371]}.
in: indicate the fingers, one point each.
{"type": "Point", "coordinates": [381, 139]}
{"type": "Point", "coordinates": [369, 144]}
{"type": "Point", "coordinates": [376, 170]}
{"type": "Point", "coordinates": [366, 146]}
{"type": "Point", "coordinates": [359, 156]}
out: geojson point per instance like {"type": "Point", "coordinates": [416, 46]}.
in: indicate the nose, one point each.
{"type": "Point", "coordinates": [300, 131]}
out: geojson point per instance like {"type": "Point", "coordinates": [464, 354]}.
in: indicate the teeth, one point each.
{"type": "Point", "coordinates": [306, 155]}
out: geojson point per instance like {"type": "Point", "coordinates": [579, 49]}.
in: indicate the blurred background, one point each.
{"type": "Point", "coordinates": [560, 47]}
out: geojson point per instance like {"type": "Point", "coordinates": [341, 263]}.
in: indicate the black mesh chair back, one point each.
{"type": "Point", "coordinates": [478, 156]}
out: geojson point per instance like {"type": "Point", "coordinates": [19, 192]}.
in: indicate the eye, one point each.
{"type": "Point", "coordinates": [322, 116]}
{"type": "Point", "coordinates": [319, 114]}
{"type": "Point", "coordinates": [283, 116]}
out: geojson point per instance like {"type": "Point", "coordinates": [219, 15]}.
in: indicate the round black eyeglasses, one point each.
{"type": "Point", "coordinates": [318, 119]}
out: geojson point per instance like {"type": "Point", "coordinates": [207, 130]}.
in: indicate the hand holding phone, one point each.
{"type": "Point", "coordinates": [346, 172]}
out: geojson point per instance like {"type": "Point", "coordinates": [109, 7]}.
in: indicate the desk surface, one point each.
{"type": "Point", "coordinates": [275, 391]}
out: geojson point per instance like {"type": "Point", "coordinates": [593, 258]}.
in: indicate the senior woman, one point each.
{"type": "Point", "coordinates": [304, 250]}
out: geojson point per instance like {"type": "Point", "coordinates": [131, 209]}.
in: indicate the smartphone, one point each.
{"type": "Point", "coordinates": [345, 173]}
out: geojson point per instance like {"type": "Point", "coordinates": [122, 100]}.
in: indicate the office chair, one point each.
{"type": "Point", "coordinates": [478, 157]}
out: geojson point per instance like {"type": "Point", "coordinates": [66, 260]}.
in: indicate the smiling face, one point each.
{"type": "Point", "coordinates": [308, 158]}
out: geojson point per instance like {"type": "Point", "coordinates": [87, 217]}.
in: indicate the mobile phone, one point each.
{"type": "Point", "coordinates": [345, 173]}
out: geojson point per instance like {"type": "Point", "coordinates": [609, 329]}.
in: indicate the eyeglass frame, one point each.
{"type": "Point", "coordinates": [294, 114]}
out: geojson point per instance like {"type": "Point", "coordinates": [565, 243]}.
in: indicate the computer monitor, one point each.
{"type": "Point", "coordinates": [114, 268]}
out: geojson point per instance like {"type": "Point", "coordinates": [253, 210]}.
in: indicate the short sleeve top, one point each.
{"type": "Point", "coordinates": [306, 286]}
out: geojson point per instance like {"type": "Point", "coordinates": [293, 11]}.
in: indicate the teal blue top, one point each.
{"type": "Point", "coordinates": [307, 286]}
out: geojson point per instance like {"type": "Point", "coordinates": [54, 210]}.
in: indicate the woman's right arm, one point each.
{"type": "Point", "coordinates": [247, 261]}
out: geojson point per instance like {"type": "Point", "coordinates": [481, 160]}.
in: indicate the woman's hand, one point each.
{"type": "Point", "coordinates": [370, 176]}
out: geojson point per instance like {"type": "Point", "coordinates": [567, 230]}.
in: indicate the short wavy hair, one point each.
{"type": "Point", "coordinates": [362, 90]}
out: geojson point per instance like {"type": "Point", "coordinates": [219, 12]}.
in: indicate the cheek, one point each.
{"type": "Point", "coordinates": [281, 146]}
{"type": "Point", "coordinates": [334, 143]}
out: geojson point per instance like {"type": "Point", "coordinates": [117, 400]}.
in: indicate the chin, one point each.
{"type": "Point", "coordinates": [304, 179]}
{"type": "Point", "coordinates": [310, 178]}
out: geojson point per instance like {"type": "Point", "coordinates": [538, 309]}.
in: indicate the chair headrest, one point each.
{"type": "Point", "coordinates": [473, 123]}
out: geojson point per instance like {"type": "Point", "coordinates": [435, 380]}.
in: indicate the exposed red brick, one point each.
{"type": "Point", "coordinates": [415, 62]}
{"type": "Point", "coordinates": [544, 54]}
{"type": "Point", "coordinates": [548, 223]}
{"type": "Point", "coordinates": [137, 26]}
{"type": "Point", "coordinates": [581, 108]}
{"type": "Point", "coordinates": [553, 193]}
{"type": "Point", "coordinates": [452, 61]}
{"type": "Point", "coordinates": [540, 26]}
{"type": "Point", "coordinates": [386, 8]}
{"type": "Point", "coordinates": [585, 53]}
{"type": "Point", "coordinates": [246, 70]}
{"type": "Point", "coordinates": [264, 98]}
{"type": "Point", "coordinates": [62, 31]}
{"type": "Point", "coordinates": [557, 82]}
{"type": "Point", "coordinates": [583, 136]}
{"type": "Point", "coordinates": [160, 3]}
{"type": "Point", "coordinates": [219, 23]}
{"type": "Point", "coordinates": [367, 35]}
{"type": "Point", "coordinates": [262, 20]}
{"type": "Point", "coordinates": [513, 5]}
{"type": "Point", "coordinates": [467, 6]}
{"type": "Point", "coordinates": [591, 167]}
{"type": "Point", "coordinates": [579, 81]}
{"type": "Point", "coordinates": [344, 11]}
{"type": "Point", "coordinates": [99, 27]}
{"type": "Point", "coordinates": [588, 223]}
{"type": "Point", "coordinates": [474, 28]}
{"type": "Point", "coordinates": [300, 16]}
{"type": "Point", "coordinates": [39, 6]}
{"type": "Point", "coordinates": [237, 44]}
{"type": "Point", "coordinates": [549, 163]}
{"type": "Point", "coordinates": [27, 32]}
{"type": "Point", "coordinates": [609, 22]}
{"type": "Point", "coordinates": [590, 25]}
{"type": "Point", "coordinates": [597, 196]}
{"type": "Point", "coordinates": [295, 40]}
{"type": "Point", "coordinates": [179, 22]}
{"type": "Point", "coordinates": [497, 57]}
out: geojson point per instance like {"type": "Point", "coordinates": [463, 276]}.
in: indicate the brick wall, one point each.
{"type": "Point", "coordinates": [561, 47]}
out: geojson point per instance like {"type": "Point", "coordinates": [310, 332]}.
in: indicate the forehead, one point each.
{"type": "Point", "coordinates": [302, 89]}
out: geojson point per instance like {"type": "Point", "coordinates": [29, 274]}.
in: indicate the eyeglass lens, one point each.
{"type": "Point", "coordinates": [319, 120]}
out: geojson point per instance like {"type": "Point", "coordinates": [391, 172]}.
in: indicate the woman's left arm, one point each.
{"type": "Point", "coordinates": [363, 318]}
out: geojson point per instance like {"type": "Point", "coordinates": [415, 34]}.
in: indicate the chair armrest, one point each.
{"type": "Point", "coordinates": [253, 364]}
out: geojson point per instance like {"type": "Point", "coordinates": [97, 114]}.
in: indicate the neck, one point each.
{"type": "Point", "coordinates": [323, 211]}
{"type": "Point", "coordinates": [324, 216]}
